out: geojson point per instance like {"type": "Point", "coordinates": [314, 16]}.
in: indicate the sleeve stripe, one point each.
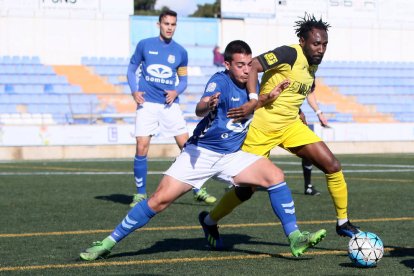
{"type": "Point", "coordinates": [182, 71]}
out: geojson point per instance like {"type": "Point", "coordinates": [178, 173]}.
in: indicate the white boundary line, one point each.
{"type": "Point", "coordinates": [161, 172]}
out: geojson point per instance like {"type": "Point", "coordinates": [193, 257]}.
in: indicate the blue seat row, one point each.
{"type": "Point", "coordinates": [367, 64]}
{"type": "Point", "coordinates": [26, 69]}
{"type": "Point", "coordinates": [40, 88]}
{"type": "Point", "coordinates": [369, 81]}
{"type": "Point", "coordinates": [19, 60]}
{"type": "Point", "coordinates": [49, 99]}
{"type": "Point", "coordinates": [365, 72]}
{"type": "Point", "coordinates": [111, 70]}
{"type": "Point", "coordinates": [93, 61]}
{"type": "Point", "coordinates": [376, 90]}
{"type": "Point", "coordinates": [33, 79]}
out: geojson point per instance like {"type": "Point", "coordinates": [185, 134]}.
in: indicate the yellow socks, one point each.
{"type": "Point", "coordinates": [339, 193]}
{"type": "Point", "coordinates": [226, 204]}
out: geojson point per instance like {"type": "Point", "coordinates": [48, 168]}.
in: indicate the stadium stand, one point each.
{"type": "Point", "coordinates": [97, 91]}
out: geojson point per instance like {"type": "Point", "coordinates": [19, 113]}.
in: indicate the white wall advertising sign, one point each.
{"type": "Point", "coordinates": [74, 135]}
{"type": "Point", "coordinates": [248, 8]}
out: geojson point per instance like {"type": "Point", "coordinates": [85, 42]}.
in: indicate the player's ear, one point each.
{"type": "Point", "coordinates": [301, 41]}
{"type": "Point", "coordinates": [227, 64]}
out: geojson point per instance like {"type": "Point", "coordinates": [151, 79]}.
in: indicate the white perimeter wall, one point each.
{"type": "Point", "coordinates": [63, 31]}
{"type": "Point", "coordinates": [361, 30]}
{"type": "Point", "coordinates": [123, 134]}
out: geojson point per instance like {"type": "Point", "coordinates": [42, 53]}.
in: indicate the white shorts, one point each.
{"type": "Point", "coordinates": [154, 118]}
{"type": "Point", "coordinates": [195, 165]}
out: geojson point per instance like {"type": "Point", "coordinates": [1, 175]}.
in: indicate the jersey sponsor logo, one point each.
{"type": "Point", "coordinates": [270, 58]}
{"type": "Point", "coordinates": [153, 52]}
{"type": "Point", "coordinates": [211, 87]}
{"type": "Point", "coordinates": [239, 126]}
{"type": "Point", "coordinates": [171, 59]}
{"type": "Point", "coordinates": [233, 99]}
{"type": "Point", "coordinates": [159, 73]}
{"type": "Point", "coordinates": [301, 88]}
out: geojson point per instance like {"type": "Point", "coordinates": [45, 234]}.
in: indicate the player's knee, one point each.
{"type": "Point", "coordinates": [244, 193]}
{"type": "Point", "coordinates": [335, 166]}
{"type": "Point", "coordinates": [275, 176]}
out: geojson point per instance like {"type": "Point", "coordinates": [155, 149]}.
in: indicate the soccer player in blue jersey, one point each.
{"type": "Point", "coordinates": [214, 151]}
{"type": "Point", "coordinates": [156, 94]}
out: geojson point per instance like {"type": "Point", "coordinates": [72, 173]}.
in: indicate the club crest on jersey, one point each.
{"type": "Point", "coordinates": [270, 58]}
{"type": "Point", "coordinates": [211, 87]}
{"type": "Point", "coordinates": [171, 59]}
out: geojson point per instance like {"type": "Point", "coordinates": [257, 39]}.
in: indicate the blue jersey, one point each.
{"type": "Point", "coordinates": [216, 132]}
{"type": "Point", "coordinates": [160, 63]}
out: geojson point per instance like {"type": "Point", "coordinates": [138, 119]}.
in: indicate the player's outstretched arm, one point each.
{"type": "Point", "coordinates": [274, 94]}
{"type": "Point", "coordinates": [207, 104]}
{"type": "Point", "coordinates": [313, 103]}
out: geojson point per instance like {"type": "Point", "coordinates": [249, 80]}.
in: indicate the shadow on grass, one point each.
{"type": "Point", "coordinates": [231, 240]}
{"type": "Point", "coordinates": [403, 252]}
{"type": "Point", "coordinates": [395, 251]}
{"type": "Point", "coordinates": [127, 199]}
{"type": "Point", "coordinates": [117, 198]}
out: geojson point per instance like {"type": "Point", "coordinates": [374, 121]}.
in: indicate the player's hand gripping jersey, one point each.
{"type": "Point", "coordinates": [216, 132]}
{"type": "Point", "coordinates": [161, 64]}
{"type": "Point", "coordinates": [286, 62]}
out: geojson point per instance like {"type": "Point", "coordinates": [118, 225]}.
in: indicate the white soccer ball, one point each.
{"type": "Point", "coordinates": [365, 249]}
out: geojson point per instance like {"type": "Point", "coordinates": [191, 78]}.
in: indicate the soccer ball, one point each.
{"type": "Point", "coordinates": [365, 249]}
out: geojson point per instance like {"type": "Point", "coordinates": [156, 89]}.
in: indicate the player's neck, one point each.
{"type": "Point", "coordinates": [237, 83]}
{"type": "Point", "coordinates": [165, 40]}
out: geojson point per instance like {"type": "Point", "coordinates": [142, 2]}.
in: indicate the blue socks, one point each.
{"type": "Point", "coordinates": [136, 218]}
{"type": "Point", "coordinates": [283, 206]}
{"type": "Point", "coordinates": [140, 173]}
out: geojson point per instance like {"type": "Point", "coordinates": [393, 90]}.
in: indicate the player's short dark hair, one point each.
{"type": "Point", "coordinates": [236, 47]}
{"type": "Point", "coordinates": [165, 13]}
{"type": "Point", "coordinates": [307, 23]}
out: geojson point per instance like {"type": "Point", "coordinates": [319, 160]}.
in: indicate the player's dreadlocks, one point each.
{"type": "Point", "coordinates": [307, 23]}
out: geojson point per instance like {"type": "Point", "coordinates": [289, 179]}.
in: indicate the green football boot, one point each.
{"type": "Point", "coordinates": [203, 196]}
{"type": "Point", "coordinates": [138, 198]}
{"type": "Point", "coordinates": [301, 241]}
{"type": "Point", "coordinates": [99, 250]}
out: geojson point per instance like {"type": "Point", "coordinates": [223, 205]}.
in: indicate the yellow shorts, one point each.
{"type": "Point", "coordinates": [293, 135]}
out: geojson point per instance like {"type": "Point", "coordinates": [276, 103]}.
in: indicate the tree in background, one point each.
{"type": "Point", "coordinates": [207, 10]}
{"type": "Point", "coordinates": [147, 7]}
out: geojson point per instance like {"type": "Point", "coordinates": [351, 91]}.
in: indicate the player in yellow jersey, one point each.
{"type": "Point", "coordinates": [276, 120]}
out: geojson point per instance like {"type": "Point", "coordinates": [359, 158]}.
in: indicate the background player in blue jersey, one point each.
{"type": "Point", "coordinates": [214, 150]}
{"type": "Point", "coordinates": [156, 94]}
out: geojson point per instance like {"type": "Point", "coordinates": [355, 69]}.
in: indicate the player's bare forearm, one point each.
{"type": "Point", "coordinates": [323, 120]}
{"type": "Point", "coordinates": [170, 96]}
{"type": "Point", "coordinates": [138, 97]}
{"type": "Point", "coordinates": [265, 99]}
{"type": "Point", "coordinates": [243, 111]}
{"type": "Point", "coordinates": [251, 84]}
{"type": "Point", "coordinates": [207, 104]}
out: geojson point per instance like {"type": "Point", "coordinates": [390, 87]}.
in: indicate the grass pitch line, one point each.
{"type": "Point", "coordinates": [170, 228]}
{"type": "Point", "coordinates": [105, 172]}
{"type": "Point", "coordinates": [174, 260]}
